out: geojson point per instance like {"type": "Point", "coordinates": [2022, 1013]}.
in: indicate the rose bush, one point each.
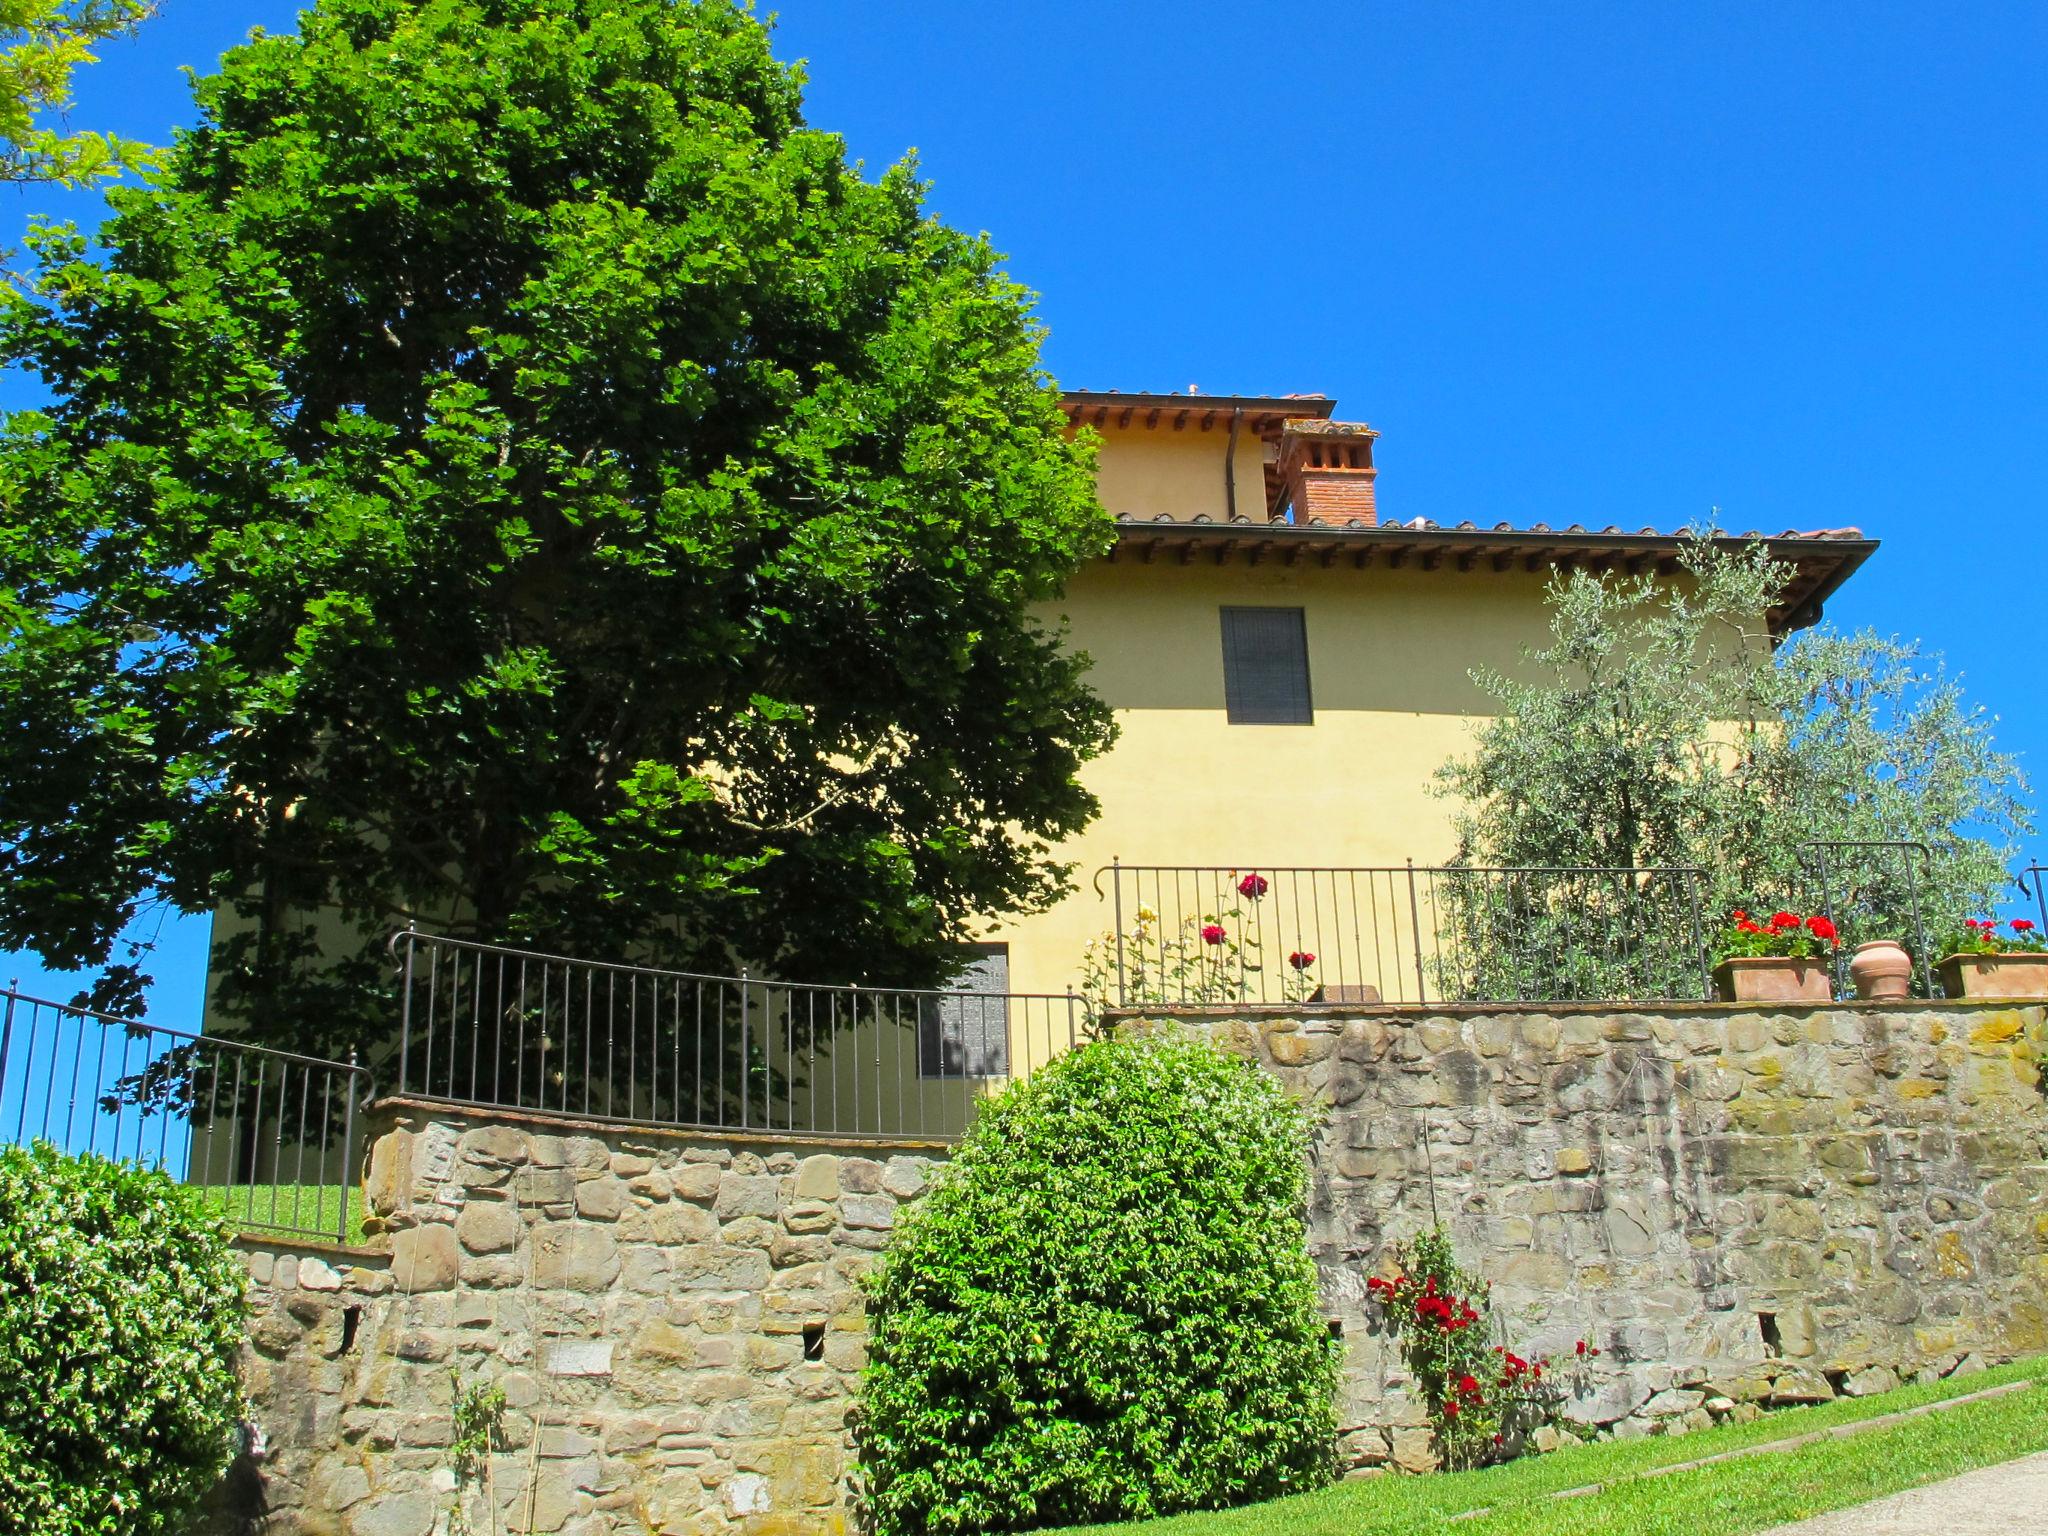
{"type": "Point", "coordinates": [1483, 1399]}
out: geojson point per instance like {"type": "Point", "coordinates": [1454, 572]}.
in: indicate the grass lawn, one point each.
{"type": "Point", "coordinates": [286, 1210]}
{"type": "Point", "coordinates": [1728, 1499]}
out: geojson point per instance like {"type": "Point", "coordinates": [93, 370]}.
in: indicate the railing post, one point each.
{"type": "Point", "coordinates": [1699, 940]}
{"type": "Point", "coordinates": [746, 1053]}
{"type": "Point", "coordinates": [405, 1017]}
{"type": "Point", "coordinates": [1415, 929]}
{"type": "Point", "coordinates": [1071, 1039]}
{"type": "Point", "coordinates": [1919, 924]}
{"type": "Point", "coordinates": [7, 1035]}
{"type": "Point", "coordinates": [348, 1142]}
{"type": "Point", "coordinates": [1116, 896]}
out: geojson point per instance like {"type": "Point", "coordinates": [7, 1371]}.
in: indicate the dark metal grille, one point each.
{"type": "Point", "coordinates": [268, 1137]}
{"type": "Point", "coordinates": [484, 1024]}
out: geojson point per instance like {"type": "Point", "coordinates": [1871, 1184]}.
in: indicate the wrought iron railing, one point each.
{"type": "Point", "coordinates": [1400, 934]}
{"type": "Point", "coordinates": [1861, 887]}
{"type": "Point", "coordinates": [510, 1028]}
{"type": "Point", "coordinates": [267, 1137]}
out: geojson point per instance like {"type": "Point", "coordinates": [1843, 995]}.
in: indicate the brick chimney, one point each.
{"type": "Point", "coordinates": [1326, 471]}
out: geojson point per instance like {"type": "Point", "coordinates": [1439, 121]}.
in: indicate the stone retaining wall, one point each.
{"type": "Point", "coordinates": [1739, 1207]}
{"type": "Point", "coordinates": [674, 1321]}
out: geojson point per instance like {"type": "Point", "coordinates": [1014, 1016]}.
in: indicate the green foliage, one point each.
{"type": "Point", "coordinates": [1105, 1308]}
{"type": "Point", "coordinates": [507, 471]}
{"type": "Point", "coordinates": [42, 42]}
{"type": "Point", "coordinates": [120, 1319]}
{"type": "Point", "coordinates": [479, 1414]}
{"type": "Point", "coordinates": [1982, 936]}
{"type": "Point", "coordinates": [1209, 957]}
{"type": "Point", "coordinates": [1783, 935]}
{"type": "Point", "coordinates": [1483, 1399]}
{"type": "Point", "coordinates": [1661, 727]}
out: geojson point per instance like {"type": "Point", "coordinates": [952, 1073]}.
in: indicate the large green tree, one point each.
{"type": "Point", "coordinates": [506, 471]}
{"type": "Point", "coordinates": [42, 43]}
{"type": "Point", "coordinates": [1663, 725]}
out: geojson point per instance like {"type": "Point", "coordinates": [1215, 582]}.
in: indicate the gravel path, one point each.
{"type": "Point", "coordinates": [2006, 1500]}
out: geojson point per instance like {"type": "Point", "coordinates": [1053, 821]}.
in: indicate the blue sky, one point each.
{"type": "Point", "coordinates": [1600, 263]}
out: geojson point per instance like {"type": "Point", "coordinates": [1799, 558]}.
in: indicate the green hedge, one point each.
{"type": "Point", "coordinates": [120, 1318]}
{"type": "Point", "coordinates": [1105, 1308]}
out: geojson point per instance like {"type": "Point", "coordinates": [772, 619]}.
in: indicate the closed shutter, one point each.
{"type": "Point", "coordinates": [1265, 667]}
{"type": "Point", "coordinates": [965, 1032]}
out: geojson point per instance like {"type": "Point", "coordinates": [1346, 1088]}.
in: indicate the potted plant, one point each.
{"type": "Point", "coordinates": [1983, 962]}
{"type": "Point", "coordinates": [1781, 960]}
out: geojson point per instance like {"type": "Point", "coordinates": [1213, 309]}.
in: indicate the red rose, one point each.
{"type": "Point", "coordinates": [1450, 1410]}
{"type": "Point", "coordinates": [1468, 1385]}
{"type": "Point", "coordinates": [1821, 929]}
{"type": "Point", "coordinates": [1212, 933]}
{"type": "Point", "coordinates": [1582, 1346]}
{"type": "Point", "coordinates": [1301, 959]}
{"type": "Point", "coordinates": [1253, 886]}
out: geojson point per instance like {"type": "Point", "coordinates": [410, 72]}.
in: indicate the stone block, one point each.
{"type": "Point", "coordinates": [741, 1194]}
{"type": "Point", "coordinates": [316, 1274]}
{"type": "Point", "coordinates": [873, 1212]}
{"type": "Point", "coordinates": [817, 1178]}
{"type": "Point", "coordinates": [578, 1357]}
{"type": "Point", "coordinates": [905, 1177]}
{"type": "Point", "coordinates": [860, 1175]}
{"type": "Point", "coordinates": [600, 1199]}
{"type": "Point", "coordinates": [696, 1181]}
{"type": "Point", "coordinates": [488, 1226]}
{"type": "Point", "coordinates": [574, 1257]}
{"type": "Point", "coordinates": [394, 1514]}
{"type": "Point", "coordinates": [387, 1188]}
{"type": "Point", "coordinates": [425, 1258]}
{"type": "Point", "coordinates": [495, 1143]}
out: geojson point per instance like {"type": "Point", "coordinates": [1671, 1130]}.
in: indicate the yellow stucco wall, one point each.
{"type": "Point", "coordinates": [1158, 472]}
{"type": "Point", "coordinates": [1389, 657]}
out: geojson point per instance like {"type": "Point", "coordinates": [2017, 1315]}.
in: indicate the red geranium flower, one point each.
{"type": "Point", "coordinates": [2023, 925]}
{"type": "Point", "coordinates": [1212, 933]}
{"type": "Point", "coordinates": [1739, 915]}
{"type": "Point", "coordinates": [1746, 926]}
{"type": "Point", "coordinates": [1301, 959]}
{"type": "Point", "coordinates": [1821, 928]}
{"type": "Point", "coordinates": [1253, 886]}
{"type": "Point", "coordinates": [1784, 920]}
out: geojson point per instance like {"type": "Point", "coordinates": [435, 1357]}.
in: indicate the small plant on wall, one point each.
{"type": "Point", "coordinates": [479, 1415]}
{"type": "Point", "coordinates": [1483, 1399]}
{"type": "Point", "coordinates": [1217, 956]}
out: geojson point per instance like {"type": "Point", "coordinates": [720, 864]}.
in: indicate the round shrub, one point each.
{"type": "Point", "coordinates": [1105, 1308]}
{"type": "Point", "coordinates": [120, 1318]}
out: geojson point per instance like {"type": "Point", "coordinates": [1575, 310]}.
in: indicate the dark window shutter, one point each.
{"type": "Point", "coordinates": [965, 1032]}
{"type": "Point", "coordinates": [1265, 667]}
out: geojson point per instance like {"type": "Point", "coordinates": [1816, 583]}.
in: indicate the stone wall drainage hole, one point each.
{"type": "Point", "coordinates": [814, 1341]}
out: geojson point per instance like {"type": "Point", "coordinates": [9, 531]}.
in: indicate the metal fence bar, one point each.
{"type": "Point", "coordinates": [268, 1135]}
{"type": "Point", "coordinates": [745, 1053]}
{"type": "Point", "coordinates": [1407, 933]}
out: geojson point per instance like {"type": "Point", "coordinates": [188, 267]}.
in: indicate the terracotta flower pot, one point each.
{"type": "Point", "coordinates": [1882, 971]}
{"type": "Point", "coordinates": [1999, 976]}
{"type": "Point", "coordinates": [1773, 979]}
